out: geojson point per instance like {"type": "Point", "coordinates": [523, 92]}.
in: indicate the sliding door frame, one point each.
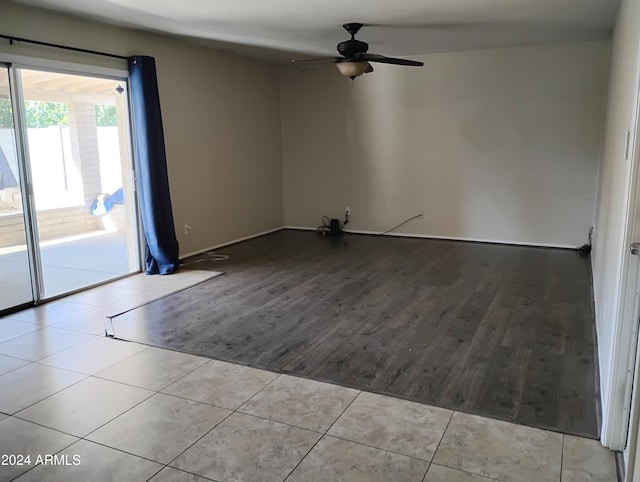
{"type": "Point", "coordinates": [26, 185]}
{"type": "Point", "coordinates": [14, 63]}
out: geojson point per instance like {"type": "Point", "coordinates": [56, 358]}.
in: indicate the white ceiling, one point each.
{"type": "Point", "coordinates": [283, 29]}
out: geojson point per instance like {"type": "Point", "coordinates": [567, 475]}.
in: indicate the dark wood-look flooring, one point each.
{"type": "Point", "coordinates": [500, 331]}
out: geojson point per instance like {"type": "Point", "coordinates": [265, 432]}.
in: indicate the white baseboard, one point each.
{"type": "Point", "coordinates": [300, 228]}
{"type": "Point", "coordinates": [402, 235]}
{"type": "Point", "coordinates": [228, 243]}
{"type": "Point", "coordinates": [449, 238]}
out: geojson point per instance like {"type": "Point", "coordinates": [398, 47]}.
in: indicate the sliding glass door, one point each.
{"type": "Point", "coordinates": [15, 270]}
{"type": "Point", "coordinates": [77, 225]}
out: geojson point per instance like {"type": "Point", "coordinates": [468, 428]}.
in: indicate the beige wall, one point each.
{"type": "Point", "coordinates": [612, 224]}
{"type": "Point", "coordinates": [495, 145]}
{"type": "Point", "coordinates": [499, 145]}
{"type": "Point", "coordinates": [221, 117]}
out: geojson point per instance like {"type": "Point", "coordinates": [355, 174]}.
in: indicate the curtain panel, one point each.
{"type": "Point", "coordinates": [161, 251]}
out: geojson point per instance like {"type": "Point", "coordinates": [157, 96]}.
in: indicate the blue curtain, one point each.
{"type": "Point", "coordinates": [161, 256]}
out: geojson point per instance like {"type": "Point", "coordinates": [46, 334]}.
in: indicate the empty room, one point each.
{"type": "Point", "coordinates": [322, 242]}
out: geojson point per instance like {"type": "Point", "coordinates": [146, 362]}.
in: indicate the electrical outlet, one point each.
{"type": "Point", "coordinates": [187, 229]}
{"type": "Point", "coordinates": [347, 210]}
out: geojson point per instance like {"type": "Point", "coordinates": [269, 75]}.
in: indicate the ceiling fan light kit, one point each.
{"type": "Point", "coordinates": [352, 69]}
{"type": "Point", "coordinates": [355, 59]}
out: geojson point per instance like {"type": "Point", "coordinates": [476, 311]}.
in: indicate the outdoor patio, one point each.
{"type": "Point", "coordinates": [68, 264]}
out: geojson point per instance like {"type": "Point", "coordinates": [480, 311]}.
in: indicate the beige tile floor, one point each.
{"type": "Point", "coordinates": [111, 410]}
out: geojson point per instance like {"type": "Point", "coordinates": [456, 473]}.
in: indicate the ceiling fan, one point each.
{"type": "Point", "coordinates": [355, 59]}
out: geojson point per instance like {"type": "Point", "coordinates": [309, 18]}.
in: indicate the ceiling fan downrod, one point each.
{"type": "Point", "coordinates": [349, 48]}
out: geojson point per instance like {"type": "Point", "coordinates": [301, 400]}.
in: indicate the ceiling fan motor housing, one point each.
{"type": "Point", "coordinates": [351, 47]}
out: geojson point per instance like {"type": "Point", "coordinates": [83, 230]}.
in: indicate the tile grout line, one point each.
{"type": "Point", "coordinates": [14, 414]}
{"type": "Point", "coordinates": [561, 456]}
{"type": "Point", "coordinates": [453, 412]}
{"type": "Point", "coordinates": [163, 388]}
{"type": "Point", "coordinates": [50, 354]}
{"type": "Point", "coordinates": [39, 328]}
{"type": "Point", "coordinates": [85, 341]}
{"type": "Point", "coordinates": [424, 477]}
{"type": "Point", "coordinates": [81, 437]}
{"type": "Point", "coordinates": [322, 436]}
{"type": "Point", "coordinates": [213, 404]}
{"type": "Point", "coordinates": [28, 362]}
{"type": "Point", "coordinates": [377, 448]}
{"type": "Point", "coordinates": [153, 394]}
{"type": "Point", "coordinates": [180, 470]}
{"type": "Point", "coordinates": [57, 327]}
{"type": "Point", "coordinates": [278, 375]}
{"type": "Point", "coordinates": [64, 448]}
{"type": "Point", "coordinates": [465, 471]}
{"type": "Point", "coordinates": [488, 477]}
{"type": "Point", "coordinates": [267, 419]}
{"type": "Point", "coordinates": [198, 440]}
{"type": "Point", "coordinates": [84, 437]}
{"type": "Point", "coordinates": [231, 412]}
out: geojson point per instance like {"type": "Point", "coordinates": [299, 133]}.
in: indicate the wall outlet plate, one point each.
{"type": "Point", "coordinates": [347, 210]}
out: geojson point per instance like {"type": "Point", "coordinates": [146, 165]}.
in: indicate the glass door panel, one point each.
{"type": "Point", "coordinates": [79, 159]}
{"type": "Point", "coordinates": [15, 269]}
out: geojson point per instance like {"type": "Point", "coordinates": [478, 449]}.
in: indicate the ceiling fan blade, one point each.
{"type": "Point", "coordinates": [311, 67]}
{"type": "Point", "coordinates": [319, 59]}
{"type": "Point", "coordinates": [434, 25]}
{"type": "Point", "coordinates": [388, 60]}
